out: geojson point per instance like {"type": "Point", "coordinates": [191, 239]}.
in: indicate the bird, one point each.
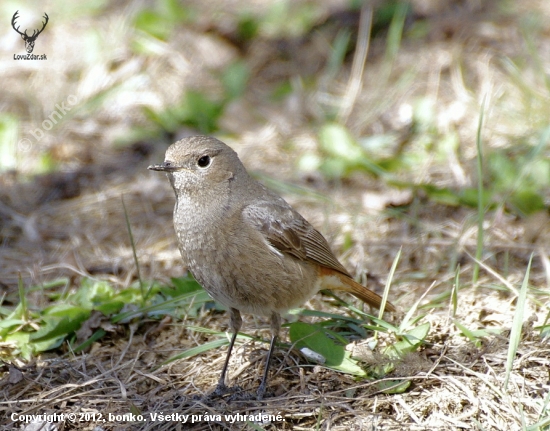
{"type": "Point", "coordinates": [246, 246]}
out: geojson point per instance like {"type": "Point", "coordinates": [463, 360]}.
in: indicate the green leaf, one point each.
{"type": "Point", "coordinates": [182, 286]}
{"type": "Point", "coordinates": [92, 292]}
{"type": "Point", "coordinates": [10, 323]}
{"type": "Point", "coordinates": [19, 345]}
{"type": "Point", "coordinates": [349, 365]}
{"type": "Point", "coordinates": [443, 196]}
{"type": "Point", "coordinates": [409, 341]}
{"type": "Point", "coordinates": [130, 295]}
{"type": "Point", "coordinates": [60, 321]}
{"type": "Point", "coordinates": [315, 337]}
{"type": "Point", "coordinates": [97, 295]}
{"type": "Point", "coordinates": [527, 202]}
{"type": "Point", "coordinates": [47, 344]}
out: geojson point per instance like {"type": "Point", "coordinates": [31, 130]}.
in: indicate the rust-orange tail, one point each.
{"type": "Point", "coordinates": [335, 280]}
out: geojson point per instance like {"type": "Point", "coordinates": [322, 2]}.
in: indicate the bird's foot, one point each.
{"type": "Point", "coordinates": [262, 392]}
{"type": "Point", "coordinates": [222, 390]}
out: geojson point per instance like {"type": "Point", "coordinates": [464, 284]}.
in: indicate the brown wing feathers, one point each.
{"type": "Point", "coordinates": [299, 239]}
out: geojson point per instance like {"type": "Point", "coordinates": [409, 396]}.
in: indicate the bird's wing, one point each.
{"type": "Point", "coordinates": [290, 233]}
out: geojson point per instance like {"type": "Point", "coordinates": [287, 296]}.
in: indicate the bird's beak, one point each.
{"type": "Point", "coordinates": [165, 167]}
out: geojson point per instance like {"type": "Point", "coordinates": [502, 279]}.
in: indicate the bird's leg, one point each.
{"type": "Point", "coordinates": [275, 326]}
{"type": "Point", "coordinates": [235, 323]}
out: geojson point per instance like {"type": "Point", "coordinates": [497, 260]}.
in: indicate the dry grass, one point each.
{"type": "Point", "coordinates": [72, 224]}
{"type": "Point", "coordinates": [454, 386]}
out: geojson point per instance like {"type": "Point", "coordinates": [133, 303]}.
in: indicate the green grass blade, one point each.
{"type": "Point", "coordinates": [480, 194]}
{"type": "Point", "coordinates": [136, 261]}
{"type": "Point", "coordinates": [325, 315]}
{"type": "Point", "coordinates": [388, 284]}
{"type": "Point", "coordinates": [97, 335]}
{"type": "Point", "coordinates": [22, 298]}
{"type": "Point", "coordinates": [408, 320]}
{"type": "Point", "coordinates": [194, 351]}
{"type": "Point", "coordinates": [195, 298]}
{"type": "Point", "coordinates": [454, 291]}
{"type": "Point", "coordinates": [337, 54]}
{"type": "Point", "coordinates": [517, 323]}
{"type": "Point", "coordinates": [395, 32]}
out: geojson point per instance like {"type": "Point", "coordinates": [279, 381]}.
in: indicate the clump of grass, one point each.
{"type": "Point", "coordinates": [27, 331]}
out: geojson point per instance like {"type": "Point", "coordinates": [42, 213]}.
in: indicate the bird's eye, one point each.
{"type": "Point", "coordinates": [204, 161]}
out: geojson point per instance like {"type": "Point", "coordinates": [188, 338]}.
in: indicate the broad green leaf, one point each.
{"type": "Point", "coordinates": [315, 338]}
{"type": "Point", "coordinates": [60, 320]}
{"type": "Point", "coordinates": [9, 323]}
{"type": "Point", "coordinates": [92, 293]}
{"type": "Point", "coordinates": [183, 285]}
{"type": "Point", "coordinates": [409, 341]}
{"type": "Point", "coordinates": [47, 344]}
{"type": "Point", "coordinates": [527, 202]}
{"type": "Point", "coordinates": [20, 346]}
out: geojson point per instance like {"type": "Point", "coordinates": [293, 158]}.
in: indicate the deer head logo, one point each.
{"type": "Point", "coordinates": [29, 40]}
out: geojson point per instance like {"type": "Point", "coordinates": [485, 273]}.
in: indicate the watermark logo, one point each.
{"type": "Point", "coordinates": [29, 40]}
{"type": "Point", "coordinates": [25, 144]}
